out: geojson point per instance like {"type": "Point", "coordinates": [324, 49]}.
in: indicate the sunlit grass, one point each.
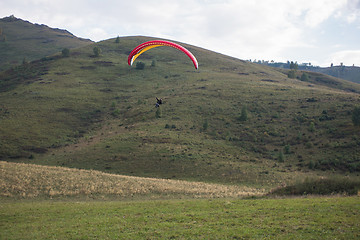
{"type": "Point", "coordinates": [296, 218]}
{"type": "Point", "coordinates": [27, 181]}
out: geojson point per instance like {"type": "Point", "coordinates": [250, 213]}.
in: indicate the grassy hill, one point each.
{"type": "Point", "coordinates": [230, 121]}
{"type": "Point", "coordinates": [21, 40]}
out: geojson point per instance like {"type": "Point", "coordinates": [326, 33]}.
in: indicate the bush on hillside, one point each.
{"type": "Point", "coordinates": [292, 74]}
{"type": "Point", "coordinates": [244, 116]}
{"type": "Point", "coordinates": [158, 113]}
{"type": "Point", "coordinates": [65, 52]}
{"type": "Point", "coordinates": [140, 65]}
{"type": "Point", "coordinates": [96, 51]}
{"type": "Point", "coordinates": [356, 116]}
{"type": "Point", "coordinates": [304, 77]}
{"type": "Point", "coordinates": [320, 186]}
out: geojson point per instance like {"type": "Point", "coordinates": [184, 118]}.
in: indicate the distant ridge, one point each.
{"type": "Point", "coordinates": [350, 73]}
{"type": "Point", "coordinates": [22, 40]}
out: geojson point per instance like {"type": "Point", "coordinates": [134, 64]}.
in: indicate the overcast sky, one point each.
{"type": "Point", "coordinates": [317, 31]}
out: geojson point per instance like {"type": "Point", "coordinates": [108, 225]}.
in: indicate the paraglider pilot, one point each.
{"type": "Point", "coordinates": [158, 102]}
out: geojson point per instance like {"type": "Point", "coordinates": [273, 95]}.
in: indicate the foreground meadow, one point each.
{"type": "Point", "coordinates": [296, 218]}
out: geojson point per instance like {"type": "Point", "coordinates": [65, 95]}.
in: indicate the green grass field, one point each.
{"type": "Point", "coordinates": [295, 218]}
{"type": "Point", "coordinates": [78, 130]}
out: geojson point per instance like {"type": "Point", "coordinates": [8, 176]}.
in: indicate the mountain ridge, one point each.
{"type": "Point", "coordinates": [349, 73]}
{"type": "Point", "coordinates": [22, 40]}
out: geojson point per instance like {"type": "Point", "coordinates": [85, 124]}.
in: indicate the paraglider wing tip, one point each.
{"type": "Point", "coordinates": [130, 61]}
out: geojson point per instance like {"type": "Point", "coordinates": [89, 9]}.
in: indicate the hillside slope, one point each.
{"type": "Point", "coordinates": [230, 121]}
{"type": "Point", "coordinates": [21, 40]}
{"type": "Point", "coordinates": [351, 73]}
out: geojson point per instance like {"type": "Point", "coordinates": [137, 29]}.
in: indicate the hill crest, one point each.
{"type": "Point", "coordinates": [22, 40]}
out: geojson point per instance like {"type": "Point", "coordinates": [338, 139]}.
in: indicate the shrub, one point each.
{"type": "Point", "coordinates": [96, 51]}
{"type": "Point", "coordinates": [158, 113]}
{"type": "Point", "coordinates": [291, 74]}
{"type": "Point", "coordinates": [116, 113]}
{"type": "Point", "coordinates": [321, 186]}
{"type": "Point", "coordinates": [140, 65]}
{"type": "Point", "coordinates": [153, 63]}
{"type": "Point", "coordinates": [281, 156]}
{"type": "Point", "coordinates": [24, 62]}
{"type": "Point", "coordinates": [304, 77]}
{"type": "Point", "coordinates": [311, 164]}
{"type": "Point", "coordinates": [312, 127]}
{"type": "Point", "coordinates": [294, 65]}
{"type": "Point", "coordinates": [65, 52]}
{"type": "Point", "coordinates": [356, 116]}
{"type": "Point", "coordinates": [287, 149]}
{"type": "Point", "coordinates": [244, 116]}
{"type": "Point", "coordinates": [308, 145]}
{"type": "Point", "coordinates": [205, 125]}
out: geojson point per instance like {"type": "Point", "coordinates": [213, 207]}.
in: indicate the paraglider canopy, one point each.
{"type": "Point", "coordinates": [136, 52]}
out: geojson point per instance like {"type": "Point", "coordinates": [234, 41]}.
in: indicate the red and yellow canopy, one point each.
{"type": "Point", "coordinates": [136, 52]}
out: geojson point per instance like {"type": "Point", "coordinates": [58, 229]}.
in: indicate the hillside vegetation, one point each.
{"type": "Point", "coordinates": [350, 73]}
{"type": "Point", "coordinates": [23, 41]}
{"type": "Point", "coordinates": [230, 121]}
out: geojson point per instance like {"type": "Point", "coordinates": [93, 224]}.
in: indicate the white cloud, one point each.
{"type": "Point", "coordinates": [261, 29]}
{"type": "Point", "coordinates": [97, 34]}
{"type": "Point", "coordinates": [347, 57]}
{"type": "Point", "coordinates": [320, 10]}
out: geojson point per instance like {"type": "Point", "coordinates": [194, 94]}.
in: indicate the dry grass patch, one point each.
{"type": "Point", "coordinates": [19, 180]}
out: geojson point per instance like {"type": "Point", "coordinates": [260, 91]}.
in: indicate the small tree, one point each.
{"type": "Point", "coordinates": [294, 65]}
{"type": "Point", "coordinates": [158, 113]}
{"type": "Point", "coordinates": [65, 52]}
{"type": "Point", "coordinates": [304, 77]}
{"type": "Point", "coordinates": [312, 127]}
{"type": "Point", "coordinates": [117, 39]}
{"type": "Point", "coordinates": [205, 125]}
{"type": "Point", "coordinates": [140, 65]}
{"type": "Point", "coordinates": [311, 164]}
{"type": "Point", "coordinates": [356, 116]}
{"type": "Point", "coordinates": [292, 74]}
{"type": "Point", "coordinates": [153, 63]}
{"type": "Point", "coordinates": [244, 116]}
{"type": "Point", "coordinates": [287, 149]}
{"type": "Point", "coordinates": [96, 51]}
{"type": "Point", "coordinates": [281, 156]}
